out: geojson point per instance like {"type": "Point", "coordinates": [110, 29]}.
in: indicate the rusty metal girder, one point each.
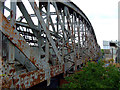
{"type": "Point", "coordinates": [30, 53]}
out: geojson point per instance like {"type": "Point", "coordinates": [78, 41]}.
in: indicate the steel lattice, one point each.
{"type": "Point", "coordinates": [56, 38]}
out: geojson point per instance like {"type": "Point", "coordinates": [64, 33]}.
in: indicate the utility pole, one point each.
{"type": "Point", "coordinates": [118, 52]}
{"type": "Point", "coordinates": [112, 53]}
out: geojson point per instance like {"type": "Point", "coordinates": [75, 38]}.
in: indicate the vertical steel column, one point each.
{"type": "Point", "coordinates": [85, 43]}
{"type": "Point", "coordinates": [45, 28]}
{"type": "Point", "coordinates": [62, 25]}
{"type": "Point", "coordinates": [57, 20]}
{"type": "Point", "coordinates": [82, 31]}
{"type": "Point", "coordinates": [0, 58]}
{"type": "Point", "coordinates": [13, 13]}
{"type": "Point", "coordinates": [2, 7]}
{"type": "Point", "coordinates": [75, 21]}
{"type": "Point", "coordinates": [70, 30]}
{"type": "Point", "coordinates": [80, 39]}
{"type": "Point", "coordinates": [11, 48]}
{"type": "Point", "coordinates": [47, 47]}
{"type": "Point", "coordinates": [88, 42]}
{"type": "Point", "coordinates": [78, 30]}
{"type": "Point", "coordinates": [39, 34]}
{"type": "Point", "coordinates": [63, 51]}
{"type": "Point", "coordinates": [2, 10]}
{"type": "Point", "coordinates": [1, 61]}
{"type": "Point", "coordinates": [11, 56]}
{"type": "Point", "coordinates": [47, 67]}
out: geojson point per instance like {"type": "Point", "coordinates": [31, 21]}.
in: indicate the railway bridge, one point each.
{"type": "Point", "coordinates": [40, 39]}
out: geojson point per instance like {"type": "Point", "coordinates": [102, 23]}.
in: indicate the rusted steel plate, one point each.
{"type": "Point", "coordinates": [29, 79]}
{"type": "Point", "coordinates": [0, 57]}
{"type": "Point", "coordinates": [6, 81]}
{"type": "Point", "coordinates": [14, 36]}
{"type": "Point", "coordinates": [56, 70]}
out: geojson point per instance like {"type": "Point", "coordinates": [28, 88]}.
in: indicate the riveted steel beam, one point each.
{"type": "Point", "coordinates": [62, 40]}
{"type": "Point", "coordinates": [35, 8]}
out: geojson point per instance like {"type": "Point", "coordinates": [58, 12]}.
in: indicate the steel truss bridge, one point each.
{"type": "Point", "coordinates": [49, 38]}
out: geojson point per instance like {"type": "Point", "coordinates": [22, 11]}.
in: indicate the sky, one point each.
{"type": "Point", "coordinates": [103, 15]}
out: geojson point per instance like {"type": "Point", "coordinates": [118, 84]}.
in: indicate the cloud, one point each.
{"type": "Point", "coordinates": [103, 14]}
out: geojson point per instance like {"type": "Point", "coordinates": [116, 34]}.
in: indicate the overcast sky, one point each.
{"type": "Point", "coordinates": [103, 15]}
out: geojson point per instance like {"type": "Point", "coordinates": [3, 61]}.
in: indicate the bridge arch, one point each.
{"type": "Point", "coordinates": [56, 38]}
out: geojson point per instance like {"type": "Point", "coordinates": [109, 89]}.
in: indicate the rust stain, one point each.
{"type": "Point", "coordinates": [37, 77]}
{"type": "Point", "coordinates": [47, 27]}
{"type": "Point", "coordinates": [14, 36]}
{"type": "Point", "coordinates": [11, 38]}
{"type": "Point", "coordinates": [55, 70]}
{"type": "Point", "coordinates": [33, 60]}
{"type": "Point", "coordinates": [20, 42]}
{"type": "Point", "coordinates": [22, 75]}
{"type": "Point", "coordinates": [12, 70]}
{"type": "Point", "coordinates": [41, 13]}
{"type": "Point", "coordinates": [17, 86]}
{"type": "Point", "coordinates": [33, 77]}
{"type": "Point", "coordinates": [35, 5]}
{"type": "Point", "coordinates": [10, 82]}
{"type": "Point", "coordinates": [15, 81]}
{"type": "Point", "coordinates": [22, 85]}
{"type": "Point", "coordinates": [11, 13]}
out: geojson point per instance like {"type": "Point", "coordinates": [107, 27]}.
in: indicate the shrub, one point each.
{"type": "Point", "coordinates": [95, 76]}
{"type": "Point", "coordinates": [111, 60]}
{"type": "Point", "coordinates": [102, 51]}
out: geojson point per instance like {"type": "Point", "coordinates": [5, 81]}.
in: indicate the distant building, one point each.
{"type": "Point", "coordinates": [110, 49]}
{"type": "Point", "coordinates": [106, 45]}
